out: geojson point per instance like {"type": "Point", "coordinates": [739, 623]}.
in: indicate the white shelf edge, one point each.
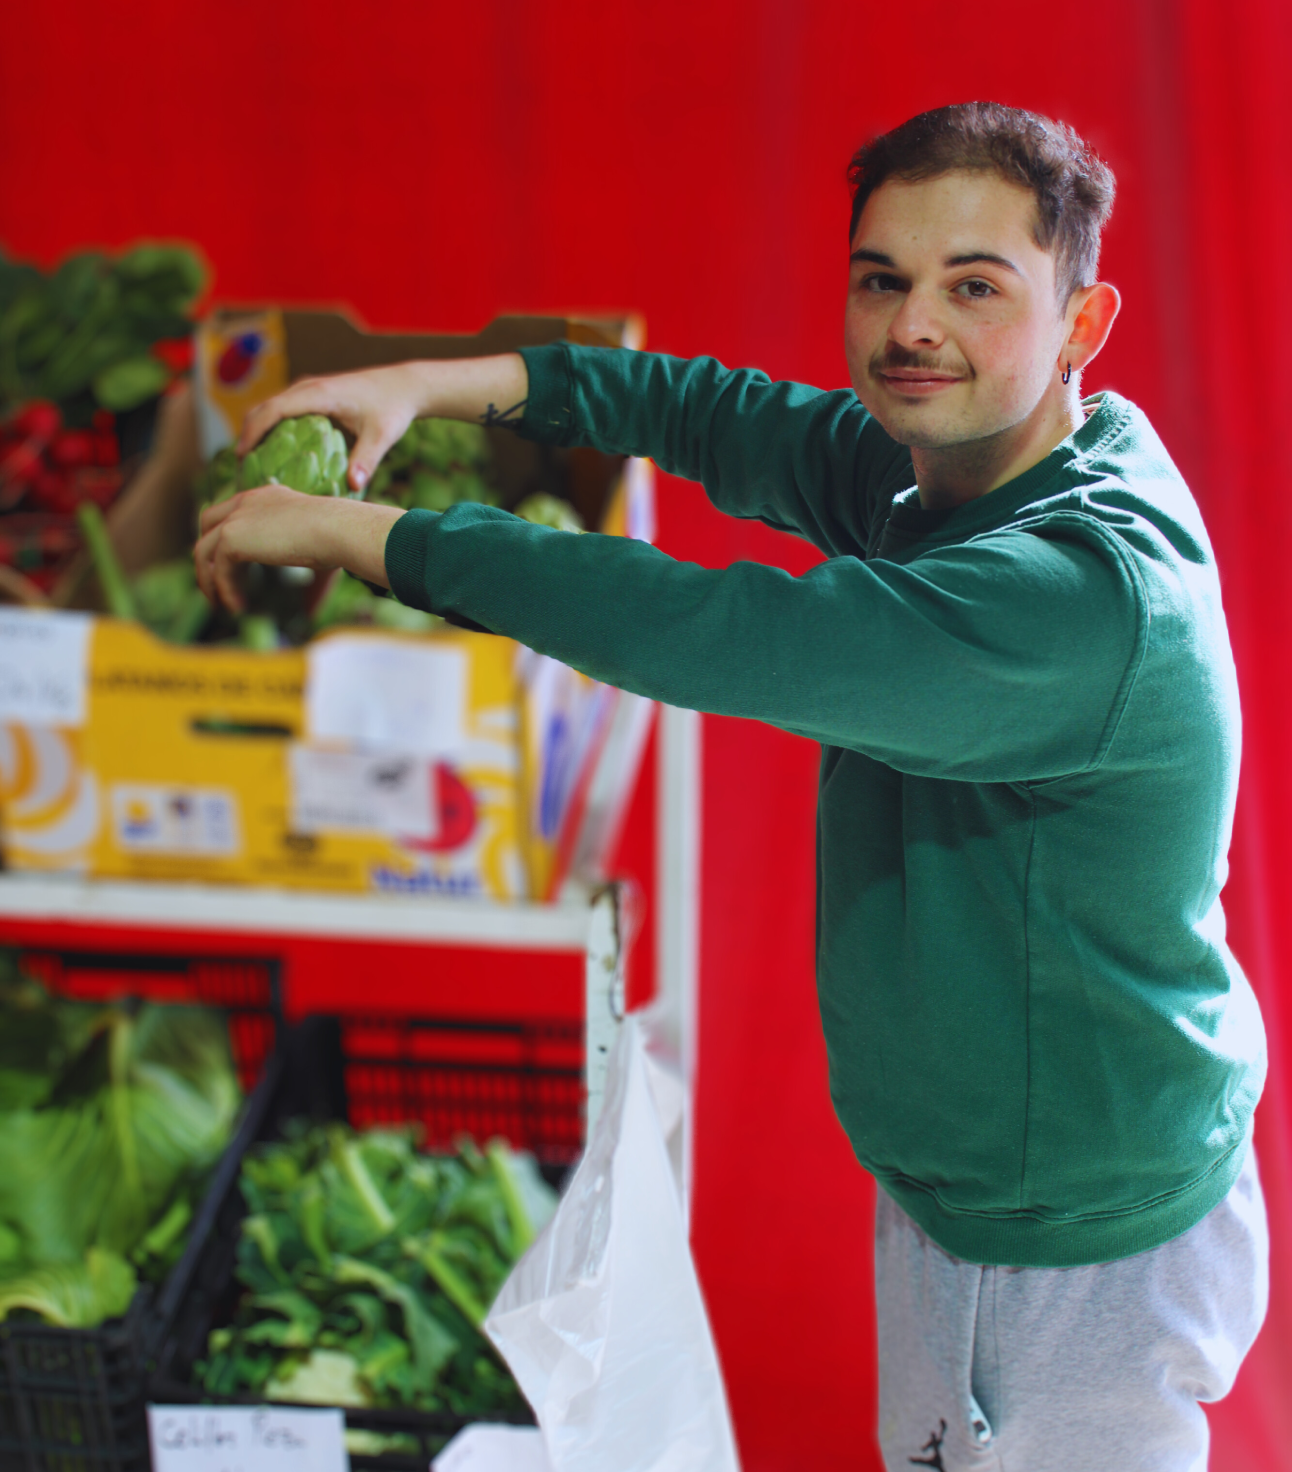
{"type": "Point", "coordinates": [253, 911]}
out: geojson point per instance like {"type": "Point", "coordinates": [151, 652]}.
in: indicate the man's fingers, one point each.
{"type": "Point", "coordinates": [202, 565]}
{"type": "Point", "coordinates": [375, 438]}
{"type": "Point", "coordinates": [216, 570]}
{"type": "Point", "coordinates": [224, 571]}
{"type": "Point", "coordinates": [309, 396]}
{"type": "Point", "coordinates": [259, 422]}
{"type": "Point", "coordinates": [212, 516]}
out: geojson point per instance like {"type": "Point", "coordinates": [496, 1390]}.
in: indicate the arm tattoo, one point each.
{"type": "Point", "coordinates": [493, 415]}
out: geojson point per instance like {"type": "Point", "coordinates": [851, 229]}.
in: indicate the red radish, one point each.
{"type": "Point", "coordinates": [38, 420]}
{"type": "Point", "coordinates": [74, 447]}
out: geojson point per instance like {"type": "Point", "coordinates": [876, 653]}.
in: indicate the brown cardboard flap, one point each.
{"type": "Point", "coordinates": [321, 342]}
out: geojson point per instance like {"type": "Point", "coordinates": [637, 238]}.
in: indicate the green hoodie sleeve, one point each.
{"type": "Point", "coordinates": [800, 459]}
{"type": "Point", "coordinates": [1006, 658]}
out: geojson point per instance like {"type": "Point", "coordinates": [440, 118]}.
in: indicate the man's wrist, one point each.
{"type": "Point", "coordinates": [353, 536]}
{"type": "Point", "coordinates": [432, 388]}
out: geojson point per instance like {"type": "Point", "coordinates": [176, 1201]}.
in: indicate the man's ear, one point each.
{"type": "Point", "coordinates": [1091, 314]}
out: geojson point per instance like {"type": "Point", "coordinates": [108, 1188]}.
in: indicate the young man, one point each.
{"type": "Point", "coordinates": [1016, 662]}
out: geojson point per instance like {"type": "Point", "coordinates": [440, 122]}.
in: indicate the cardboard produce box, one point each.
{"type": "Point", "coordinates": [448, 763]}
{"type": "Point", "coordinates": [219, 765]}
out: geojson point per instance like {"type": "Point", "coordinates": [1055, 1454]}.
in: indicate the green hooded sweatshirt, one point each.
{"type": "Point", "coordinates": [1038, 1040]}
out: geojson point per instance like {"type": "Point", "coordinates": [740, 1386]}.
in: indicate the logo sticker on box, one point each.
{"type": "Point", "coordinates": [156, 819]}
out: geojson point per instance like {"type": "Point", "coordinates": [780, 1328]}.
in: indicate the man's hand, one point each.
{"type": "Point", "coordinates": [284, 528]}
{"type": "Point", "coordinates": [378, 404]}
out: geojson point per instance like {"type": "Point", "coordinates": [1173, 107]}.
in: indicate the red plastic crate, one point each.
{"type": "Point", "coordinates": [247, 991]}
{"type": "Point", "coordinates": [522, 1081]}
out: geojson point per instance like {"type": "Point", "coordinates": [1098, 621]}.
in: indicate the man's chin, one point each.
{"type": "Point", "coordinates": [920, 427]}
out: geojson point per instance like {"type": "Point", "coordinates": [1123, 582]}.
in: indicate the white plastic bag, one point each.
{"type": "Point", "coordinates": [487, 1448]}
{"type": "Point", "coordinates": [602, 1322]}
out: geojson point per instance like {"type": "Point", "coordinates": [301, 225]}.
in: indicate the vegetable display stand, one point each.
{"type": "Point", "coordinates": [71, 1400]}
{"type": "Point", "coordinates": [323, 1078]}
{"type": "Point", "coordinates": [387, 964]}
{"type": "Point", "coordinates": [500, 1024]}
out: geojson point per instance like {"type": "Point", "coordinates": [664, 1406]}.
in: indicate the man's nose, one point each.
{"type": "Point", "coordinates": [917, 323]}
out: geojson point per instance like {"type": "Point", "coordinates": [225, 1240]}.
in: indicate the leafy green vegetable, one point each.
{"type": "Point", "coordinates": [259, 632]}
{"type": "Point", "coordinates": [350, 601]}
{"type": "Point", "coordinates": [308, 454]}
{"type": "Point", "coordinates": [436, 464]}
{"type": "Point", "coordinates": [368, 1268]}
{"type": "Point", "coordinates": [545, 510]}
{"type": "Point", "coordinates": [73, 1295]}
{"type": "Point", "coordinates": [88, 327]}
{"type": "Point", "coordinates": [112, 1116]}
{"type": "Point", "coordinates": [130, 382]}
{"type": "Point", "coordinates": [324, 1377]}
{"type": "Point", "coordinates": [169, 602]}
{"type": "Point", "coordinates": [218, 478]}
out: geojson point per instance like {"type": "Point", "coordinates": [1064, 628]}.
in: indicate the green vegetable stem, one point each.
{"type": "Point", "coordinates": [116, 589]}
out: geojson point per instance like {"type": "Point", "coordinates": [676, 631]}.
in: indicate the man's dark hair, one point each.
{"type": "Point", "coordinates": [1071, 184]}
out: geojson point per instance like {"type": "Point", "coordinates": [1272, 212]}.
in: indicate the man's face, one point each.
{"type": "Point", "coordinates": [952, 329]}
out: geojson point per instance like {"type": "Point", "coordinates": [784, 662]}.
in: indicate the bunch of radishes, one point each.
{"type": "Point", "coordinates": [49, 468]}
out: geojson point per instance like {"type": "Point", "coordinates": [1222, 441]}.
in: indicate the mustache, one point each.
{"type": "Point", "coordinates": [893, 355]}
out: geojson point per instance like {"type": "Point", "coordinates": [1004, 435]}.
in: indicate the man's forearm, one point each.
{"type": "Point", "coordinates": [483, 390]}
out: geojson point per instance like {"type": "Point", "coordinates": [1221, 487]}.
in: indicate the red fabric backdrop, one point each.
{"type": "Point", "coordinates": [436, 164]}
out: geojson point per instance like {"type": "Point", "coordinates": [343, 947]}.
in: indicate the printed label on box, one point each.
{"type": "Point", "coordinates": [155, 819]}
{"type": "Point", "coordinates": [240, 361]}
{"type": "Point", "coordinates": [363, 792]}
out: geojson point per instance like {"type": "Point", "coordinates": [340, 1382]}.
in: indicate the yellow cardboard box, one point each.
{"type": "Point", "coordinates": [202, 764]}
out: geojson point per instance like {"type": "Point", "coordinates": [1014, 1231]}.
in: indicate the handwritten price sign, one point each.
{"type": "Point", "coordinates": [43, 667]}
{"type": "Point", "coordinates": [246, 1439]}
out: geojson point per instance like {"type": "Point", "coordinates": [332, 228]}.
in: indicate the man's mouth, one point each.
{"type": "Point", "coordinates": [916, 382]}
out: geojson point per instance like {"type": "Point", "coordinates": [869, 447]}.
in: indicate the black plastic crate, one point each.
{"type": "Point", "coordinates": [523, 1081]}
{"type": "Point", "coordinates": [72, 1400]}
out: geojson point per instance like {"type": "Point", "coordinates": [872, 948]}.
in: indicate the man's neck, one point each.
{"type": "Point", "coordinates": [950, 475]}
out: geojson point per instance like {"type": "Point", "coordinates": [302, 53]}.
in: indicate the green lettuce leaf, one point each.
{"type": "Point", "coordinates": [75, 1295]}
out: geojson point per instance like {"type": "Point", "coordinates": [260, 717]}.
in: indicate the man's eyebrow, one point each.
{"type": "Point", "coordinates": [973, 257]}
{"type": "Point", "coordinates": [966, 258]}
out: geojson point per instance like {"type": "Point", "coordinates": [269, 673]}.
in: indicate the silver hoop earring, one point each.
{"type": "Point", "coordinates": [1067, 373]}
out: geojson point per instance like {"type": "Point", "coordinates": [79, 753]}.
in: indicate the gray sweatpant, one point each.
{"type": "Point", "coordinates": [1089, 1369]}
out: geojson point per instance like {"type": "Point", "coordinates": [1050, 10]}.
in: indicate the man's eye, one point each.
{"type": "Point", "coordinates": [881, 282]}
{"type": "Point", "coordinates": [976, 288]}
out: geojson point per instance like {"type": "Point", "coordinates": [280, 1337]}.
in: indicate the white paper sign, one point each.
{"type": "Point", "coordinates": [392, 694]}
{"type": "Point", "coordinates": [43, 666]}
{"type": "Point", "coordinates": [485, 1448]}
{"type": "Point", "coordinates": [363, 792]}
{"type": "Point", "coordinates": [246, 1439]}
